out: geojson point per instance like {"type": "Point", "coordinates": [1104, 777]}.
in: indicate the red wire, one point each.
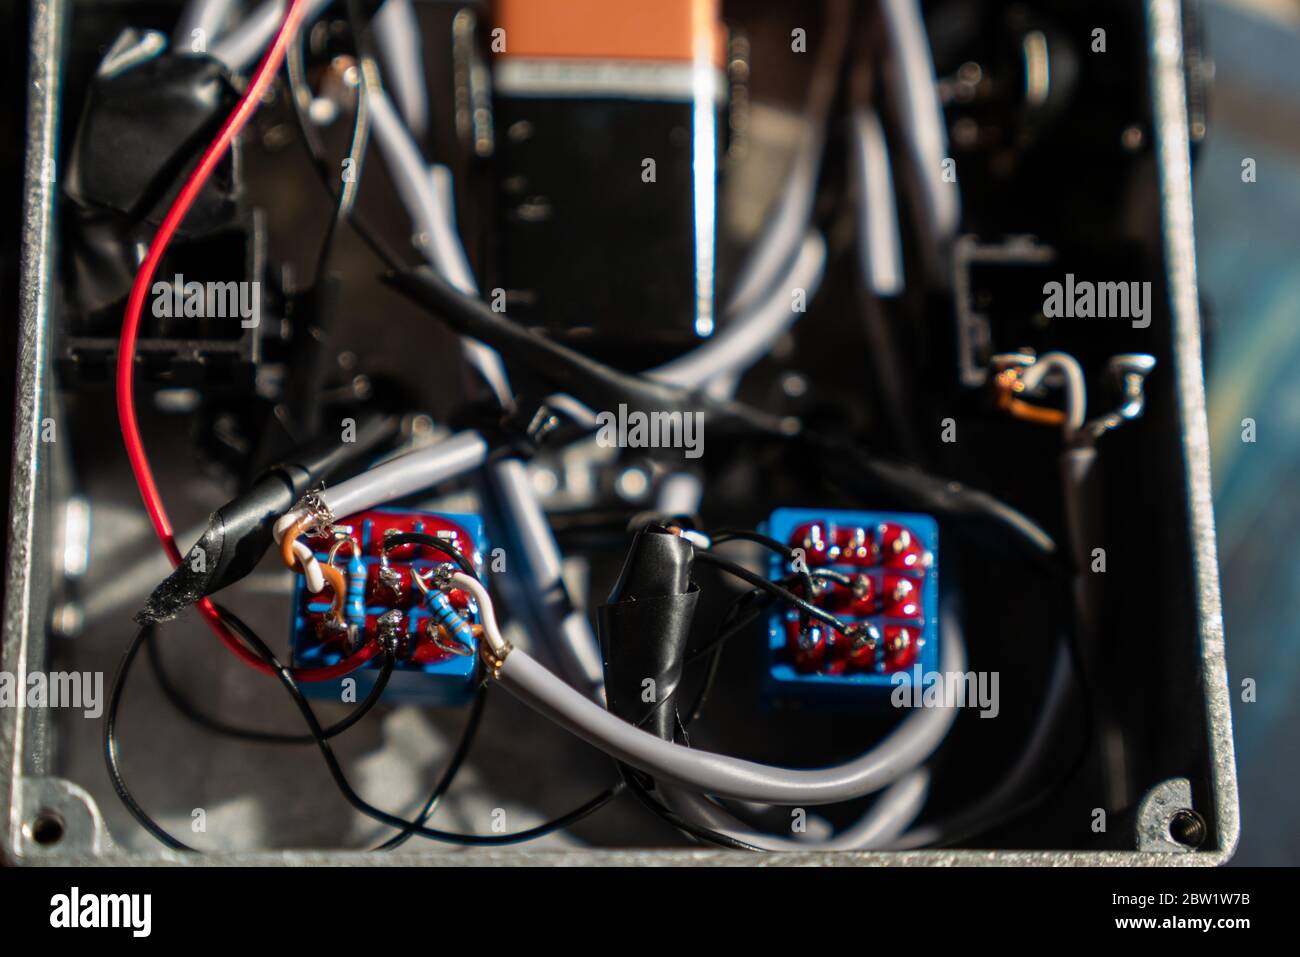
{"type": "Point", "coordinates": [258, 84]}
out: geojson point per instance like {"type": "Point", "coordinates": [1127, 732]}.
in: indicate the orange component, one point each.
{"type": "Point", "coordinates": [682, 30]}
{"type": "Point", "coordinates": [338, 585]}
{"type": "Point", "coordinates": [1007, 385]}
{"type": "Point", "coordinates": [290, 536]}
{"type": "Point", "coordinates": [333, 577]}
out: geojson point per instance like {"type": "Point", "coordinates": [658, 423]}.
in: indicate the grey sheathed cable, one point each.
{"type": "Point", "coordinates": [914, 90]}
{"type": "Point", "coordinates": [399, 477]}
{"type": "Point", "coordinates": [744, 338]}
{"type": "Point", "coordinates": [900, 752]}
{"type": "Point", "coordinates": [209, 16]}
{"type": "Point", "coordinates": [407, 474]}
{"type": "Point", "coordinates": [879, 245]}
{"type": "Point", "coordinates": [780, 239]}
{"type": "Point", "coordinates": [883, 824]}
{"type": "Point", "coordinates": [426, 193]}
{"type": "Point", "coordinates": [571, 634]}
{"type": "Point", "coordinates": [239, 48]}
{"type": "Point", "coordinates": [397, 32]}
{"type": "Point", "coordinates": [748, 337]}
{"type": "Point", "coordinates": [417, 185]}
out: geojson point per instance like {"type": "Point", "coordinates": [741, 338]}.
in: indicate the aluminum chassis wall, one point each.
{"type": "Point", "coordinates": [28, 791]}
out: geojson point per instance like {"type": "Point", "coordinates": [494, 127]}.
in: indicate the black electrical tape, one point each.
{"type": "Point", "coordinates": [644, 627]}
{"type": "Point", "coordinates": [240, 532]}
{"type": "Point", "coordinates": [141, 127]}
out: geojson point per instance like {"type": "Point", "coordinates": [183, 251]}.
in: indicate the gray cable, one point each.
{"type": "Point", "coordinates": [241, 47]}
{"type": "Point", "coordinates": [397, 32]}
{"type": "Point", "coordinates": [748, 337]}
{"type": "Point", "coordinates": [912, 86]}
{"type": "Point", "coordinates": [781, 237]}
{"type": "Point", "coordinates": [902, 750]}
{"type": "Point", "coordinates": [407, 474]}
{"type": "Point", "coordinates": [882, 824]}
{"type": "Point", "coordinates": [427, 196]}
{"type": "Point", "coordinates": [571, 636]}
{"type": "Point", "coordinates": [879, 245]}
{"type": "Point", "coordinates": [1012, 786]}
{"type": "Point", "coordinates": [206, 15]}
{"type": "Point", "coordinates": [896, 808]}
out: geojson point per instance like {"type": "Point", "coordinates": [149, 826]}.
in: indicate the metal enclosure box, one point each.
{"type": "Point", "coordinates": [33, 787]}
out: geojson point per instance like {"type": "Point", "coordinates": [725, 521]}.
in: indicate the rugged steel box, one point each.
{"type": "Point", "coordinates": [52, 818]}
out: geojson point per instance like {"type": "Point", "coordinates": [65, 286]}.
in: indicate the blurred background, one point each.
{"type": "Point", "coordinates": [1248, 236]}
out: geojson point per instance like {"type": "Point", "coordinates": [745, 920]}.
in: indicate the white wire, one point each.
{"type": "Point", "coordinates": [426, 193]}
{"type": "Point", "coordinates": [393, 479]}
{"type": "Point", "coordinates": [241, 47]}
{"type": "Point", "coordinates": [206, 15]}
{"type": "Point", "coordinates": [397, 32]}
{"type": "Point", "coordinates": [1076, 389]}
{"type": "Point", "coordinates": [310, 567]}
{"type": "Point", "coordinates": [910, 70]}
{"type": "Point", "coordinates": [398, 477]}
{"type": "Point", "coordinates": [780, 240]}
{"type": "Point", "coordinates": [747, 338]}
{"type": "Point", "coordinates": [879, 244]}
{"type": "Point", "coordinates": [487, 614]}
{"type": "Point", "coordinates": [572, 637]}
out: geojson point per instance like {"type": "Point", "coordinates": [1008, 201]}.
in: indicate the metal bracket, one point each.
{"type": "Point", "coordinates": [1166, 820]}
{"type": "Point", "coordinates": [57, 819]}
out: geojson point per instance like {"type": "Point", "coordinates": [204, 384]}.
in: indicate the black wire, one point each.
{"type": "Point", "coordinates": [771, 587]}
{"type": "Point", "coordinates": [112, 755]}
{"type": "Point", "coordinates": [298, 94]}
{"type": "Point", "coordinates": [182, 704]}
{"type": "Point", "coordinates": [437, 544]}
{"type": "Point", "coordinates": [392, 820]}
{"type": "Point", "coordinates": [112, 759]}
{"type": "Point", "coordinates": [987, 814]}
{"type": "Point", "coordinates": [632, 779]}
{"type": "Point", "coordinates": [714, 649]}
{"type": "Point", "coordinates": [347, 195]}
{"type": "Point", "coordinates": [467, 737]}
{"type": "Point", "coordinates": [595, 383]}
{"type": "Point", "coordinates": [714, 646]}
{"type": "Point", "coordinates": [780, 548]}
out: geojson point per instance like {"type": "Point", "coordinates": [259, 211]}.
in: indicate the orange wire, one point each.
{"type": "Point", "coordinates": [1007, 383]}
{"type": "Point", "coordinates": [290, 536]}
